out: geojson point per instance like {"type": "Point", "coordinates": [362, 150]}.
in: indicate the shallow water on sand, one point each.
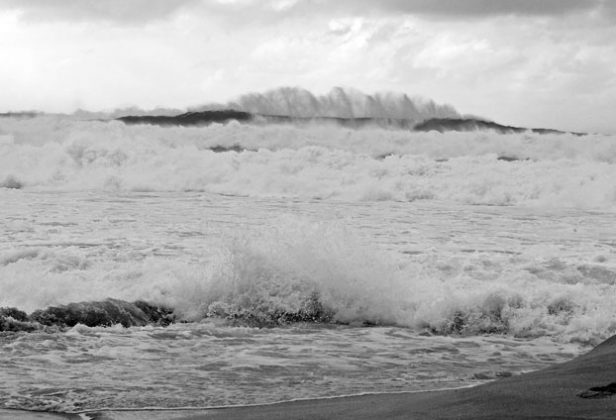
{"type": "Point", "coordinates": [461, 294]}
{"type": "Point", "coordinates": [200, 365]}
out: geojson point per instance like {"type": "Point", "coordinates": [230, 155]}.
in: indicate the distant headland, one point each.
{"type": "Point", "coordinates": [344, 107]}
{"type": "Point", "coordinates": [440, 125]}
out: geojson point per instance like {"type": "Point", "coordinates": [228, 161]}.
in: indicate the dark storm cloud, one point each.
{"type": "Point", "coordinates": [256, 12]}
{"type": "Point", "coordinates": [479, 8]}
{"type": "Point", "coordinates": [452, 9]}
{"type": "Point", "coordinates": [608, 9]}
{"type": "Point", "coordinates": [118, 11]}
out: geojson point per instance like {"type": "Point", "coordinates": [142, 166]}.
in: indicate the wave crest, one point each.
{"type": "Point", "coordinates": [339, 103]}
{"type": "Point", "coordinates": [302, 271]}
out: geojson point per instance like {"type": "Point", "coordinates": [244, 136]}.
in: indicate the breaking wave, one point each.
{"type": "Point", "coordinates": [325, 162]}
{"type": "Point", "coordinates": [324, 273]}
{"type": "Point", "coordinates": [320, 272]}
{"type": "Point", "coordinates": [295, 102]}
{"type": "Point", "coordinates": [341, 103]}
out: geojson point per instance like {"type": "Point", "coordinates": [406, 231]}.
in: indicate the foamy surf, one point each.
{"type": "Point", "coordinates": [239, 366]}
{"type": "Point", "coordinates": [250, 263]}
{"type": "Point", "coordinates": [288, 269]}
{"type": "Point", "coordinates": [323, 162]}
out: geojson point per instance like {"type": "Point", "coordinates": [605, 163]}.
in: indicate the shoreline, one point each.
{"type": "Point", "coordinates": [562, 391]}
{"type": "Point", "coordinates": [157, 412]}
{"type": "Point", "coordinates": [553, 392]}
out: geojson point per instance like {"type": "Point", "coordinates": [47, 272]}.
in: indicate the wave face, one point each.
{"type": "Point", "coordinates": [202, 259]}
{"type": "Point", "coordinates": [341, 103]}
{"type": "Point", "coordinates": [311, 161]}
{"type": "Point", "coordinates": [301, 265]}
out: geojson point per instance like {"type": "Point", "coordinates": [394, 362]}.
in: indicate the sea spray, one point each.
{"type": "Point", "coordinates": [307, 270]}
{"type": "Point", "coordinates": [340, 103]}
{"type": "Point", "coordinates": [300, 269]}
{"type": "Point", "coordinates": [273, 272]}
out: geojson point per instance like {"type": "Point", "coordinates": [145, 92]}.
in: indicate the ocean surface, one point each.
{"type": "Point", "coordinates": [440, 260]}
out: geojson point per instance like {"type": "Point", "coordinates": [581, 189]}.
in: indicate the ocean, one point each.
{"type": "Point", "coordinates": [297, 261]}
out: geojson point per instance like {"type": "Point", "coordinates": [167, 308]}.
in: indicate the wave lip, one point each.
{"type": "Point", "coordinates": [344, 107]}
{"type": "Point", "coordinates": [340, 103]}
{"type": "Point", "coordinates": [91, 314]}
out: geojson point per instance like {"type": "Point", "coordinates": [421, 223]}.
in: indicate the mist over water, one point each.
{"type": "Point", "coordinates": [300, 103]}
{"type": "Point", "coordinates": [341, 103]}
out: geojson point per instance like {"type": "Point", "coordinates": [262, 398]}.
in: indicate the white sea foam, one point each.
{"type": "Point", "coordinates": [324, 162]}
{"type": "Point", "coordinates": [279, 269]}
{"type": "Point", "coordinates": [263, 273]}
{"type": "Point", "coordinates": [480, 277]}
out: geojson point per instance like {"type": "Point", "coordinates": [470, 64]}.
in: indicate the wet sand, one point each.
{"type": "Point", "coordinates": [561, 391]}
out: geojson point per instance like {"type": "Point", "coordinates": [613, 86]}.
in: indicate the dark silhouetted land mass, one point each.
{"type": "Point", "coordinates": [189, 118]}
{"type": "Point", "coordinates": [208, 117]}
{"type": "Point", "coordinates": [443, 125]}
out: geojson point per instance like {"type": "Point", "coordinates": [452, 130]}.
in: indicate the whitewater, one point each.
{"type": "Point", "coordinates": [298, 260]}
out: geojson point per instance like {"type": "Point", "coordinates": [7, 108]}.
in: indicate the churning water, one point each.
{"type": "Point", "coordinates": [430, 261]}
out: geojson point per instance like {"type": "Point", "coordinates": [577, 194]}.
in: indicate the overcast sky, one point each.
{"type": "Point", "coordinates": [541, 63]}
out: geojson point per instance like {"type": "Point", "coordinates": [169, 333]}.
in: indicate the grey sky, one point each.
{"type": "Point", "coordinates": [479, 8]}
{"type": "Point", "coordinates": [528, 62]}
{"type": "Point", "coordinates": [121, 11]}
{"type": "Point", "coordinates": [133, 11]}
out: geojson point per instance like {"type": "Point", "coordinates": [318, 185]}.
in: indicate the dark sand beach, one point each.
{"type": "Point", "coordinates": [578, 389]}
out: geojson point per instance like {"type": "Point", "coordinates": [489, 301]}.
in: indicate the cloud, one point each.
{"type": "Point", "coordinates": [515, 61]}
{"type": "Point", "coordinates": [483, 7]}
{"type": "Point", "coordinates": [449, 9]}
{"type": "Point", "coordinates": [117, 11]}
{"type": "Point", "coordinates": [250, 12]}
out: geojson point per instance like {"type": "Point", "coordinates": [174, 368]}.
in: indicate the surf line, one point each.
{"type": "Point", "coordinates": [84, 413]}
